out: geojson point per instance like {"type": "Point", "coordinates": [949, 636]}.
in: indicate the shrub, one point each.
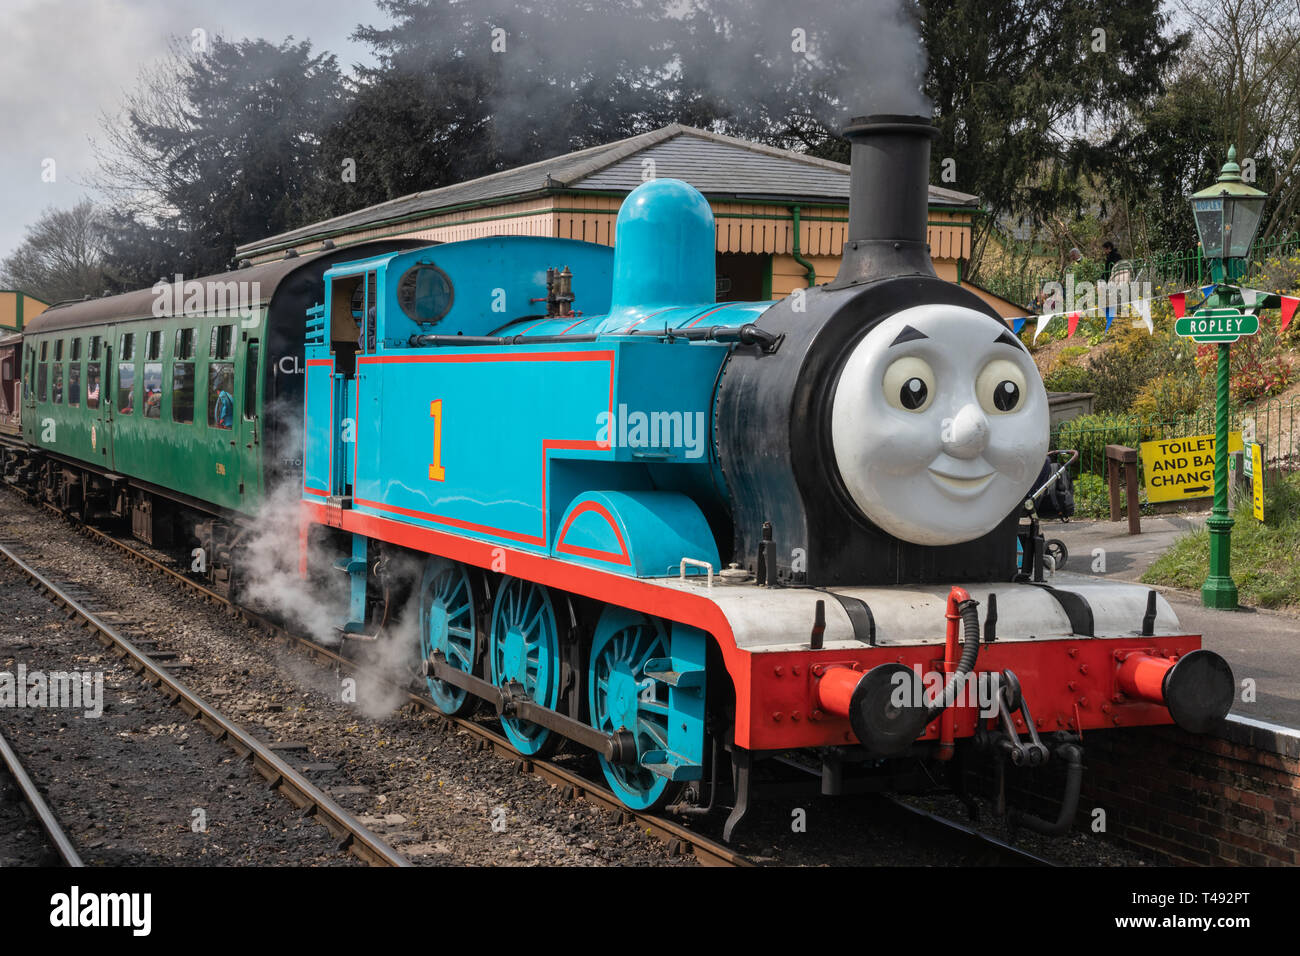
{"type": "Point", "coordinates": [1259, 365]}
{"type": "Point", "coordinates": [1171, 395]}
{"type": "Point", "coordinates": [1090, 434]}
{"type": "Point", "coordinates": [1068, 378]}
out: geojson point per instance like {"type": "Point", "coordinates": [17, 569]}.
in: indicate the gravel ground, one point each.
{"type": "Point", "coordinates": [434, 796]}
{"type": "Point", "coordinates": [126, 784]}
{"type": "Point", "coordinates": [429, 792]}
{"type": "Point", "coordinates": [22, 842]}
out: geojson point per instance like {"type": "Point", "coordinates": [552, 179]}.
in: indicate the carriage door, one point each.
{"type": "Point", "coordinates": [250, 424]}
{"type": "Point", "coordinates": [99, 398]}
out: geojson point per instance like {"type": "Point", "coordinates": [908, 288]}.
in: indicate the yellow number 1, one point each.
{"type": "Point", "coordinates": [436, 471]}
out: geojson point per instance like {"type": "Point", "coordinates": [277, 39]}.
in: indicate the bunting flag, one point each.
{"type": "Point", "coordinates": [1144, 310]}
{"type": "Point", "coordinates": [1248, 296]}
{"type": "Point", "coordinates": [1074, 324]}
{"type": "Point", "coordinates": [1288, 310]}
{"type": "Point", "coordinates": [1043, 322]}
{"type": "Point", "coordinates": [1110, 317]}
{"type": "Point", "coordinates": [1206, 290]}
{"type": "Point", "coordinates": [1179, 301]}
{"type": "Point", "coordinates": [1017, 325]}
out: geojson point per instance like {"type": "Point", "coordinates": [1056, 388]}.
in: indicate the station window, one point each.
{"type": "Point", "coordinates": [153, 346]}
{"type": "Point", "coordinates": [424, 293]}
{"type": "Point", "coordinates": [153, 389]}
{"type": "Point", "coordinates": [74, 383]}
{"type": "Point", "coordinates": [42, 379]}
{"type": "Point", "coordinates": [94, 348]}
{"type": "Point", "coordinates": [221, 395]}
{"type": "Point", "coordinates": [76, 351]}
{"type": "Point", "coordinates": [183, 392]}
{"type": "Point", "coordinates": [92, 385]}
{"type": "Point", "coordinates": [125, 388]}
{"type": "Point", "coordinates": [127, 352]}
{"type": "Point", "coordinates": [221, 345]}
{"type": "Point", "coordinates": [184, 346]}
{"type": "Point", "coordinates": [56, 391]}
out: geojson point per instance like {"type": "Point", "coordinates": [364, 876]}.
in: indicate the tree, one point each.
{"type": "Point", "coordinates": [215, 148]}
{"type": "Point", "coordinates": [62, 256]}
{"type": "Point", "coordinates": [1021, 89]}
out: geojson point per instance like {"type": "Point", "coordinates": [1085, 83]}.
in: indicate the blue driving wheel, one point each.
{"type": "Point", "coordinates": [621, 697]}
{"type": "Point", "coordinates": [448, 623]}
{"type": "Point", "coordinates": [525, 650]}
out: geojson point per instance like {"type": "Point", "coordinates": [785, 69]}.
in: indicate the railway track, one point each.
{"type": "Point", "coordinates": [31, 795]}
{"type": "Point", "coordinates": [987, 849]}
{"type": "Point", "coordinates": [300, 791]}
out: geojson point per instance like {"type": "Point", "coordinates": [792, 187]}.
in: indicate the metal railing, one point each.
{"type": "Point", "coordinates": [1168, 272]}
{"type": "Point", "coordinates": [1274, 423]}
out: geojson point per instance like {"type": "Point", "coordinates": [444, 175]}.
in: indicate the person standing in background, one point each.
{"type": "Point", "coordinates": [1112, 256]}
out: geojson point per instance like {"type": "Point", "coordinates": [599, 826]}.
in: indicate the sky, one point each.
{"type": "Point", "coordinates": [66, 62]}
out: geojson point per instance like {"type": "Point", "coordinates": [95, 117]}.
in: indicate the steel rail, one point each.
{"type": "Point", "coordinates": [44, 815]}
{"type": "Point", "coordinates": [677, 837]}
{"type": "Point", "coordinates": [972, 836]}
{"type": "Point", "coordinates": [293, 785]}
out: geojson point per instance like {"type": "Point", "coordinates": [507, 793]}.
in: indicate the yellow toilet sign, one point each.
{"type": "Point", "coordinates": [1179, 469]}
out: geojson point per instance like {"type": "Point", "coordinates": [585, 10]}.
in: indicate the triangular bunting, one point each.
{"type": "Point", "coordinates": [1110, 317]}
{"type": "Point", "coordinates": [1248, 296]}
{"type": "Point", "coordinates": [1144, 309]}
{"type": "Point", "coordinates": [1043, 322]}
{"type": "Point", "coordinates": [1288, 310]}
{"type": "Point", "coordinates": [1017, 325]}
{"type": "Point", "coordinates": [1074, 324]}
{"type": "Point", "coordinates": [1179, 301]}
{"type": "Point", "coordinates": [1206, 290]}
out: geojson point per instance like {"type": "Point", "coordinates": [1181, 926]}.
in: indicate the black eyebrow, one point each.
{"type": "Point", "coordinates": [1006, 338]}
{"type": "Point", "coordinates": [907, 335]}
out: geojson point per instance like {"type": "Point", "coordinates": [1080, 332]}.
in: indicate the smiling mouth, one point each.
{"type": "Point", "coordinates": [966, 486]}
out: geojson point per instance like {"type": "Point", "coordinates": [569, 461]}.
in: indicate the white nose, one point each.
{"type": "Point", "coordinates": [966, 435]}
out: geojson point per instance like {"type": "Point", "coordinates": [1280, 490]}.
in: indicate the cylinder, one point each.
{"type": "Point", "coordinates": [1198, 688]}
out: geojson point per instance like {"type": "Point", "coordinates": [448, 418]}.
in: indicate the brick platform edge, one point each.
{"type": "Point", "coordinates": [1232, 798]}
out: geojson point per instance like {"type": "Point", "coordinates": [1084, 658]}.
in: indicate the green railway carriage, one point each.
{"type": "Point", "coordinates": [179, 406]}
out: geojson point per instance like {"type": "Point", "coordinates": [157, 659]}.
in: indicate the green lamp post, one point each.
{"type": "Point", "coordinates": [1227, 217]}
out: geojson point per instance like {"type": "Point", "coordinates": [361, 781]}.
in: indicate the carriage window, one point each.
{"type": "Point", "coordinates": [184, 347]}
{"type": "Point", "coordinates": [94, 348]}
{"type": "Point", "coordinates": [250, 382]}
{"type": "Point", "coordinates": [58, 351]}
{"type": "Point", "coordinates": [221, 345]}
{"type": "Point", "coordinates": [127, 352]}
{"type": "Point", "coordinates": [42, 380]}
{"type": "Point", "coordinates": [45, 351]}
{"type": "Point", "coordinates": [125, 388]}
{"type": "Point", "coordinates": [56, 392]}
{"type": "Point", "coordinates": [92, 385]}
{"type": "Point", "coordinates": [221, 395]}
{"type": "Point", "coordinates": [76, 350]}
{"type": "Point", "coordinates": [153, 390]}
{"type": "Point", "coordinates": [183, 392]}
{"type": "Point", "coordinates": [27, 369]}
{"type": "Point", "coordinates": [424, 293]}
{"type": "Point", "coordinates": [153, 346]}
{"type": "Point", "coordinates": [74, 383]}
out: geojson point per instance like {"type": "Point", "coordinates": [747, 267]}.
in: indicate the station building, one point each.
{"type": "Point", "coordinates": [782, 216]}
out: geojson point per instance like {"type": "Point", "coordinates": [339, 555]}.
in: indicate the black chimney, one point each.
{"type": "Point", "coordinates": [889, 198]}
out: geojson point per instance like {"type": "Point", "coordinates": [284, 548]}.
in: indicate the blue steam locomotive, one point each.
{"type": "Point", "coordinates": [687, 534]}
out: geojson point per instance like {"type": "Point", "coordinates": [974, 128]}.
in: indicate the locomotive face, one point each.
{"type": "Point", "coordinates": [939, 424]}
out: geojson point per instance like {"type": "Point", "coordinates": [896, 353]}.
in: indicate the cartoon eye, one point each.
{"type": "Point", "coordinates": [1000, 387]}
{"type": "Point", "coordinates": [909, 384]}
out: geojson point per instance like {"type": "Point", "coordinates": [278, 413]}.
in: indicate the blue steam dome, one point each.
{"type": "Point", "coordinates": [663, 249]}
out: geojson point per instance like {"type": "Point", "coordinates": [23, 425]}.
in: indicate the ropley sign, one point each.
{"type": "Point", "coordinates": [1217, 325]}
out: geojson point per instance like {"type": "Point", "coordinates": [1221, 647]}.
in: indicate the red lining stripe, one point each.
{"type": "Point", "coordinates": [609, 556]}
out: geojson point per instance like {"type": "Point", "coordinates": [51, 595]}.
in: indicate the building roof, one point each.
{"type": "Point", "coordinates": [721, 167]}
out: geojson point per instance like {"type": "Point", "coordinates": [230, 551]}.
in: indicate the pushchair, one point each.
{"type": "Point", "coordinates": [1052, 497]}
